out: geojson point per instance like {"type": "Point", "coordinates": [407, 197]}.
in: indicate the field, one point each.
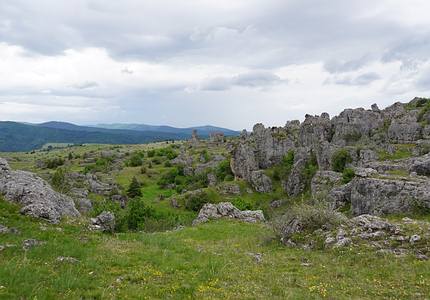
{"type": "Point", "coordinates": [217, 260]}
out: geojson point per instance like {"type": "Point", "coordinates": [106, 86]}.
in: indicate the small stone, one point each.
{"type": "Point", "coordinates": [30, 243]}
{"type": "Point", "coordinates": [415, 238]}
{"type": "Point", "coordinates": [257, 256]}
{"type": "Point", "coordinates": [422, 257]}
{"type": "Point", "coordinates": [2, 248]}
{"type": "Point", "coordinates": [66, 259]}
{"type": "Point", "coordinates": [329, 241]}
{"type": "Point", "coordinates": [343, 243]}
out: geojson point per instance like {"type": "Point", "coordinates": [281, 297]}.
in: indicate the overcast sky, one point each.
{"type": "Point", "coordinates": [231, 63]}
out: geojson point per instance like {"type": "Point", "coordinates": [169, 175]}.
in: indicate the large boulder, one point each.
{"type": "Point", "coordinates": [227, 210]}
{"type": "Point", "coordinates": [421, 165]}
{"type": "Point", "coordinates": [379, 196]}
{"type": "Point", "coordinates": [261, 182]}
{"type": "Point", "coordinates": [34, 194]}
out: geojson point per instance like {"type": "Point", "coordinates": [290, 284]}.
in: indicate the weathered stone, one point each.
{"type": "Point", "coordinates": [261, 182]}
{"type": "Point", "coordinates": [31, 243]}
{"type": "Point", "coordinates": [227, 210]}
{"type": "Point", "coordinates": [403, 132]}
{"type": "Point", "coordinates": [104, 222]}
{"type": "Point", "coordinates": [384, 196]}
{"type": "Point", "coordinates": [421, 166]}
{"type": "Point", "coordinates": [324, 181]}
{"type": "Point", "coordinates": [228, 188]}
{"type": "Point", "coordinates": [84, 205]}
{"type": "Point", "coordinates": [34, 194]}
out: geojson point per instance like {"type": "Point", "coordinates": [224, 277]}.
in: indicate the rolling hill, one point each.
{"type": "Point", "coordinates": [26, 137]}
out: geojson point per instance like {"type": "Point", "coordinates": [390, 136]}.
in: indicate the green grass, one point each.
{"type": "Point", "coordinates": [212, 261]}
{"type": "Point", "coordinates": [402, 151]}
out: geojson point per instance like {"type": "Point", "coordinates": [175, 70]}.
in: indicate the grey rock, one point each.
{"type": "Point", "coordinates": [31, 243]}
{"type": "Point", "coordinates": [421, 166]}
{"type": "Point", "coordinates": [227, 210]}
{"type": "Point", "coordinates": [84, 205]}
{"type": "Point", "coordinates": [104, 222]}
{"type": "Point", "coordinates": [67, 259]}
{"type": "Point", "coordinates": [34, 194]}
{"type": "Point", "coordinates": [324, 181]}
{"type": "Point", "coordinates": [261, 182]}
{"type": "Point", "coordinates": [384, 196]}
{"type": "Point", "coordinates": [228, 188]}
{"type": "Point", "coordinates": [414, 238]}
{"type": "Point", "coordinates": [212, 180]}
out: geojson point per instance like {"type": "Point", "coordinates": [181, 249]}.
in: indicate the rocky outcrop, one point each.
{"type": "Point", "coordinates": [379, 196]}
{"type": "Point", "coordinates": [34, 194]}
{"type": "Point", "coordinates": [323, 182]}
{"type": "Point", "coordinates": [227, 210]}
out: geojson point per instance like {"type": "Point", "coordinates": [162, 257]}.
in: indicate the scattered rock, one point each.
{"type": "Point", "coordinates": [104, 222]}
{"type": "Point", "coordinates": [66, 259]}
{"type": "Point", "coordinates": [414, 238]}
{"type": "Point", "coordinates": [31, 243]}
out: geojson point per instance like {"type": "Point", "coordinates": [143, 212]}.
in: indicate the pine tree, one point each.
{"type": "Point", "coordinates": [134, 189]}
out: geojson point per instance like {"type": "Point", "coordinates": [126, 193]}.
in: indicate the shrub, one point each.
{"type": "Point", "coordinates": [205, 155]}
{"type": "Point", "coordinates": [137, 214]}
{"type": "Point", "coordinates": [242, 204]}
{"type": "Point", "coordinates": [133, 190]}
{"type": "Point", "coordinates": [223, 170]}
{"type": "Point", "coordinates": [101, 165]}
{"type": "Point", "coordinates": [195, 201]}
{"type": "Point", "coordinates": [305, 218]}
{"type": "Point", "coordinates": [151, 153]}
{"type": "Point", "coordinates": [311, 167]}
{"type": "Point", "coordinates": [54, 162]}
{"type": "Point", "coordinates": [347, 175]}
{"type": "Point", "coordinates": [340, 159]}
{"type": "Point", "coordinates": [170, 177]}
{"type": "Point", "coordinates": [135, 160]}
{"type": "Point", "coordinates": [59, 180]}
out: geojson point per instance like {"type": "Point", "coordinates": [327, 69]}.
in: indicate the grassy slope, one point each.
{"type": "Point", "coordinates": [209, 261]}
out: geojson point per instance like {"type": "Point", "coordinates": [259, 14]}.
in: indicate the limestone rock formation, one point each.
{"type": "Point", "coordinates": [34, 194]}
{"type": "Point", "coordinates": [227, 210]}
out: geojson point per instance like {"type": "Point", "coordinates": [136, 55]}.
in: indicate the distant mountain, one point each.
{"type": "Point", "coordinates": [26, 137]}
{"type": "Point", "coordinates": [203, 131]}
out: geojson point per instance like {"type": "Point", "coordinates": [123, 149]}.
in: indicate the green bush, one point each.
{"type": "Point", "coordinates": [311, 167]}
{"type": "Point", "coordinates": [54, 163]}
{"type": "Point", "coordinates": [305, 218]}
{"type": "Point", "coordinates": [195, 201]}
{"type": "Point", "coordinates": [223, 170]}
{"type": "Point", "coordinates": [101, 165]}
{"type": "Point", "coordinates": [135, 160]}
{"type": "Point", "coordinates": [59, 180]}
{"type": "Point", "coordinates": [347, 175]}
{"type": "Point", "coordinates": [133, 190]}
{"type": "Point", "coordinates": [340, 159]}
{"type": "Point", "coordinates": [241, 204]}
{"type": "Point", "coordinates": [151, 153]}
{"type": "Point", "coordinates": [137, 214]}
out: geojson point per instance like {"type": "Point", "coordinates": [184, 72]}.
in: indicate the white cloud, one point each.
{"type": "Point", "coordinates": [230, 63]}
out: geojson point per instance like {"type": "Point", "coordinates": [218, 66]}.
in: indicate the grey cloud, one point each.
{"type": "Point", "coordinates": [86, 85]}
{"type": "Point", "coordinates": [336, 66]}
{"type": "Point", "coordinates": [255, 79]}
{"type": "Point", "coordinates": [363, 79]}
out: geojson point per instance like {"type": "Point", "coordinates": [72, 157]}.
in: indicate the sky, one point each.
{"type": "Point", "coordinates": [230, 63]}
